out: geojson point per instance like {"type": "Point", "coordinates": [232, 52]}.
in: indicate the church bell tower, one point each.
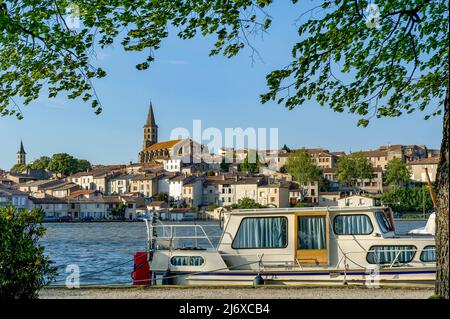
{"type": "Point", "coordinates": [21, 155]}
{"type": "Point", "coordinates": [150, 129]}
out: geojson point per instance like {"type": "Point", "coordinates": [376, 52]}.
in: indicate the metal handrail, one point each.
{"type": "Point", "coordinates": [172, 233]}
{"type": "Point", "coordinates": [398, 252]}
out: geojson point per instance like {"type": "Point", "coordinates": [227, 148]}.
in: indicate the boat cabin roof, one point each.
{"type": "Point", "coordinates": [294, 210]}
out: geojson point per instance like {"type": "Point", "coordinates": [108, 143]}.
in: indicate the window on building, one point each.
{"type": "Point", "coordinates": [391, 254]}
{"type": "Point", "coordinates": [352, 225]}
{"type": "Point", "coordinates": [261, 232]}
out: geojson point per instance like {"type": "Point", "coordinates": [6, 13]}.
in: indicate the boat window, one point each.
{"type": "Point", "coordinates": [187, 260]}
{"type": "Point", "coordinates": [385, 224]}
{"type": "Point", "coordinates": [311, 232]}
{"type": "Point", "coordinates": [261, 232]}
{"type": "Point", "coordinates": [391, 254]}
{"type": "Point", "coordinates": [428, 254]}
{"type": "Point", "coordinates": [352, 225]}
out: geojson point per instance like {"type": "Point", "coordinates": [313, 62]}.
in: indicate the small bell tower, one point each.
{"type": "Point", "coordinates": [21, 155]}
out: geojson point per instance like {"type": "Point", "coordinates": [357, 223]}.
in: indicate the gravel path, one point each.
{"type": "Point", "coordinates": [236, 293]}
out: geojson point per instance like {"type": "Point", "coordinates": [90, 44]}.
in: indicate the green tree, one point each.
{"type": "Point", "coordinates": [397, 173]}
{"type": "Point", "coordinates": [82, 165]}
{"type": "Point", "coordinates": [303, 170]}
{"type": "Point", "coordinates": [24, 267]}
{"type": "Point", "coordinates": [41, 163]}
{"type": "Point", "coordinates": [118, 212]}
{"type": "Point", "coordinates": [402, 199]}
{"type": "Point", "coordinates": [224, 165]}
{"type": "Point", "coordinates": [353, 168]}
{"type": "Point", "coordinates": [251, 163]}
{"type": "Point", "coordinates": [247, 203]}
{"type": "Point", "coordinates": [372, 65]}
{"type": "Point", "coordinates": [18, 168]}
{"type": "Point", "coordinates": [162, 197]}
{"type": "Point", "coordinates": [66, 164]}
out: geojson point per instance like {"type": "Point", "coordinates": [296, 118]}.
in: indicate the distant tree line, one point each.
{"type": "Point", "coordinates": [61, 163]}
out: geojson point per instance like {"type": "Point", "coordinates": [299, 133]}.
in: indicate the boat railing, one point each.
{"type": "Point", "coordinates": [169, 236]}
{"type": "Point", "coordinates": [346, 256]}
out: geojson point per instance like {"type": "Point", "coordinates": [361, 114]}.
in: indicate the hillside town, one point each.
{"type": "Point", "coordinates": [179, 179]}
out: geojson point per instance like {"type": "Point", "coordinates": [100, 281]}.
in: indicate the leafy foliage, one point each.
{"type": "Point", "coordinates": [162, 197]}
{"type": "Point", "coordinates": [353, 168]}
{"type": "Point", "coordinates": [119, 211]}
{"type": "Point", "coordinates": [247, 203]}
{"type": "Point", "coordinates": [41, 163]}
{"type": "Point", "coordinates": [346, 64]}
{"type": "Point", "coordinates": [302, 168]}
{"type": "Point", "coordinates": [24, 267]}
{"type": "Point", "coordinates": [250, 165]}
{"type": "Point", "coordinates": [224, 165]}
{"type": "Point", "coordinates": [40, 50]}
{"type": "Point", "coordinates": [340, 59]}
{"type": "Point", "coordinates": [397, 172]}
{"type": "Point", "coordinates": [66, 164]}
{"type": "Point", "coordinates": [61, 163]}
{"type": "Point", "coordinates": [403, 199]}
{"type": "Point", "coordinates": [18, 168]}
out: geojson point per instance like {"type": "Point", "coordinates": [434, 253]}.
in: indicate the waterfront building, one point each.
{"type": "Point", "coordinates": [120, 184]}
{"type": "Point", "coordinates": [381, 156]}
{"type": "Point", "coordinates": [417, 167]}
{"type": "Point", "coordinates": [295, 193]}
{"type": "Point", "coordinates": [274, 194]}
{"type": "Point", "coordinates": [144, 184]}
{"type": "Point", "coordinates": [356, 201]}
{"type": "Point", "coordinates": [51, 206]}
{"type": "Point", "coordinates": [329, 198]}
{"type": "Point", "coordinates": [14, 197]}
{"type": "Point", "coordinates": [63, 190]}
{"type": "Point", "coordinates": [19, 178]}
{"type": "Point", "coordinates": [192, 192]}
{"type": "Point", "coordinates": [39, 186]}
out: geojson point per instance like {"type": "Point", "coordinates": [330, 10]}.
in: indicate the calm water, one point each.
{"type": "Point", "coordinates": [104, 251]}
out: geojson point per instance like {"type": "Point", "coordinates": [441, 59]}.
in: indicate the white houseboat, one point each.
{"type": "Point", "coordinates": [322, 245]}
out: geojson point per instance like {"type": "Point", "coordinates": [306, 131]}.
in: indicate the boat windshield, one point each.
{"type": "Point", "coordinates": [384, 222]}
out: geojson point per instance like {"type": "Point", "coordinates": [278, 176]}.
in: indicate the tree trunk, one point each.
{"type": "Point", "coordinates": [442, 218]}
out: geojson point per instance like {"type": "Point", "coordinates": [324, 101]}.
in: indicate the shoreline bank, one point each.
{"type": "Point", "coordinates": [265, 292]}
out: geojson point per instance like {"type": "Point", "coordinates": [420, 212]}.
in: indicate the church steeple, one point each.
{"type": "Point", "coordinates": [21, 154]}
{"type": "Point", "coordinates": [150, 129]}
{"type": "Point", "coordinates": [150, 116]}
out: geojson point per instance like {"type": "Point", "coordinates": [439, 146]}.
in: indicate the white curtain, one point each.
{"type": "Point", "coordinates": [387, 254]}
{"type": "Point", "coordinates": [428, 254]}
{"type": "Point", "coordinates": [262, 232]}
{"type": "Point", "coordinates": [352, 225]}
{"type": "Point", "coordinates": [311, 232]}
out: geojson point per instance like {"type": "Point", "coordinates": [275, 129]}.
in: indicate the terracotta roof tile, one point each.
{"type": "Point", "coordinates": [426, 161]}
{"type": "Point", "coordinates": [162, 145]}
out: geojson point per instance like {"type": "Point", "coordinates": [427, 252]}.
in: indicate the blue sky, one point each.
{"type": "Point", "coordinates": [185, 84]}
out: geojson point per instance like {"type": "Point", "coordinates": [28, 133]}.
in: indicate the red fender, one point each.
{"type": "Point", "coordinates": [141, 272]}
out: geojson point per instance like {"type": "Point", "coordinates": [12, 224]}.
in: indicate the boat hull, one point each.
{"type": "Point", "coordinates": [414, 277]}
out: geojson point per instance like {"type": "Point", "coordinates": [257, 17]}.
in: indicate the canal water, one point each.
{"type": "Point", "coordinates": [103, 252]}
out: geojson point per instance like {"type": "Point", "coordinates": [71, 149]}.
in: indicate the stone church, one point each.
{"type": "Point", "coordinates": [183, 150]}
